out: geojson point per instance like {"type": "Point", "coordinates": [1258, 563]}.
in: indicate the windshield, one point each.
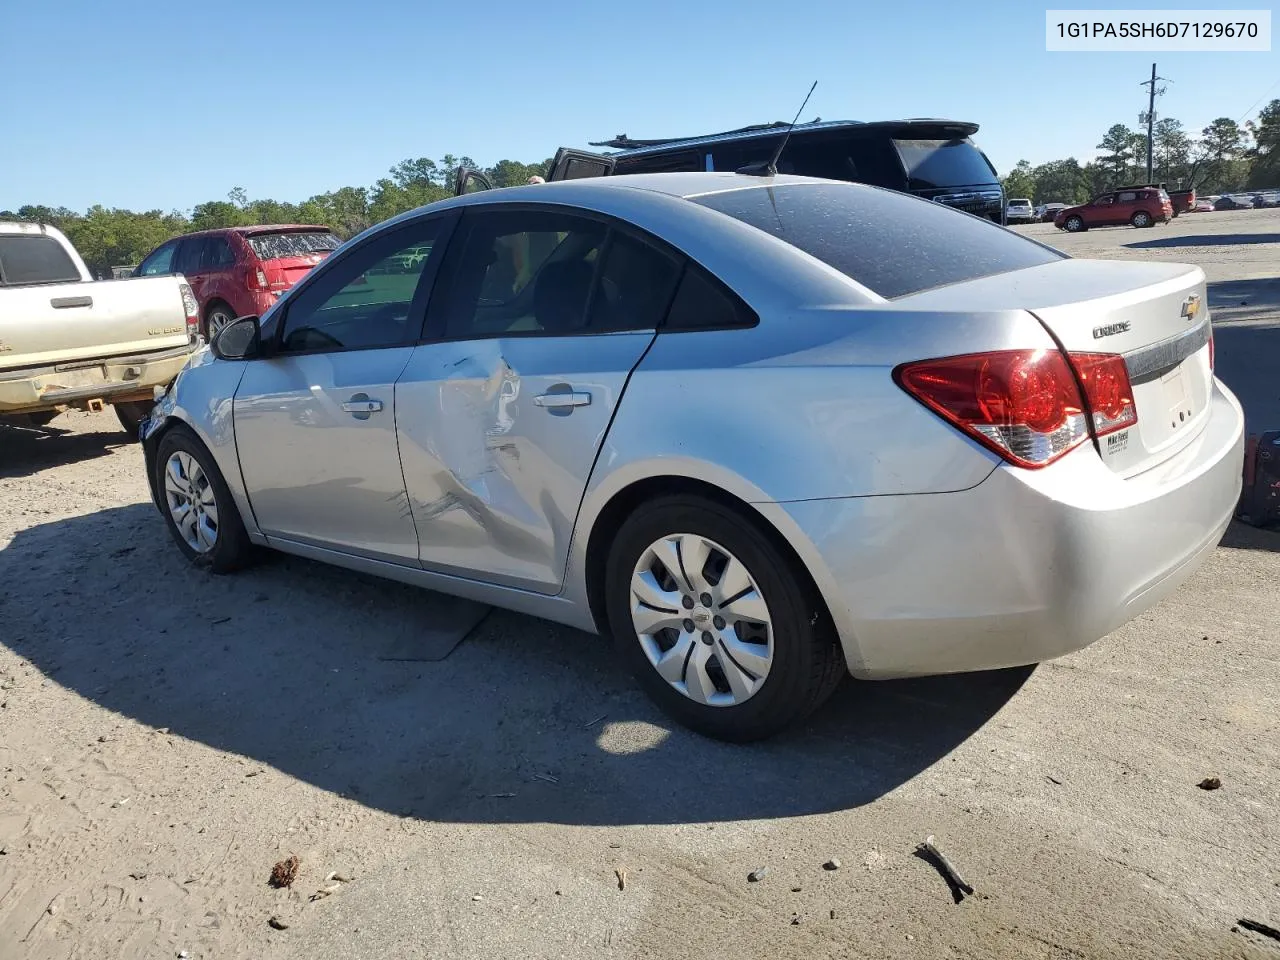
{"type": "Point", "coordinates": [273, 246]}
{"type": "Point", "coordinates": [943, 163]}
{"type": "Point", "coordinates": [891, 243]}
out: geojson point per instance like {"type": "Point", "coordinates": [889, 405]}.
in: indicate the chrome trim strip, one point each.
{"type": "Point", "coordinates": [1157, 359]}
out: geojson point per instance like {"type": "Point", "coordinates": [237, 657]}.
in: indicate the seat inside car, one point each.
{"type": "Point", "coordinates": [560, 297]}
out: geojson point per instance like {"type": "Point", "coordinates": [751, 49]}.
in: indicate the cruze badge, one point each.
{"type": "Point", "coordinates": [1111, 329]}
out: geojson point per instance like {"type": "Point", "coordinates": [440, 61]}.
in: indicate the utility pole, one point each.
{"type": "Point", "coordinates": [1152, 93]}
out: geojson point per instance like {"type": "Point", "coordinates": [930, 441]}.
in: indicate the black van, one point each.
{"type": "Point", "coordinates": [934, 159]}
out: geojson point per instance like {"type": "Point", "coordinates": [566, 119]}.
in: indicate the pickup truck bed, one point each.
{"type": "Point", "coordinates": [67, 340]}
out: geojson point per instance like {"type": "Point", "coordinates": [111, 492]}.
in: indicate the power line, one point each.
{"type": "Point", "coordinates": [1259, 100]}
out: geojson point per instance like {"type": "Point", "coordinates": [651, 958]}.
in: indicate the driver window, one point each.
{"type": "Point", "coordinates": [1104, 201]}
{"type": "Point", "coordinates": [369, 299]}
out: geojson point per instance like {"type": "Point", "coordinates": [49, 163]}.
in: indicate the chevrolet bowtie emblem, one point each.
{"type": "Point", "coordinates": [1191, 306]}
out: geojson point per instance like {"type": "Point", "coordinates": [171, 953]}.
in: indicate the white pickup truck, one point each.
{"type": "Point", "coordinates": [67, 340]}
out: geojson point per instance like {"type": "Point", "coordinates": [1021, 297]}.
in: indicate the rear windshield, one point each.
{"type": "Point", "coordinates": [891, 243]}
{"type": "Point", "coordinates": [943, 163]}
{"type": "Point", "coordinates": [1019, 203]}
{"type": "Point", "coordinates": [35, 259]}
{"type": "Point", "coordinates": [271, 246]}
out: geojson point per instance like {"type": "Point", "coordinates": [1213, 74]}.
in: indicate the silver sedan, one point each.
{"type": "Point", "coordinates": [761, 431]}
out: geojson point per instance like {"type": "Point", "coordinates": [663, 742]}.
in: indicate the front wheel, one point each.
{"type": "Point", "coordinates": [1141, 219]}
{"type": "Point", "coordinates": [1074, 224]}
{"type": "Point", "coordinates": [720, 626]}
{"type": "Point", "coordinates": [198, 507]}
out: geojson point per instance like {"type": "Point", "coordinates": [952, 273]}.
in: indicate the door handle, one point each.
{"type": "Point", "coordinates": [362, 405]}
{"type": "Point", "coordinates": [63, 303]}
{"type": "Point", "coordinates": [562, 400]}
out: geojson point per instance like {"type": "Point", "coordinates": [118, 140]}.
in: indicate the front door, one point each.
{"type": "Point", "coordinates": [315, 421]}
{"type": "Point", "coordinates": [543, 319]}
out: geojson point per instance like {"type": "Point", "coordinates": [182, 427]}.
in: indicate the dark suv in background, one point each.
{"type": "Point", "coordinates": [933, 159]}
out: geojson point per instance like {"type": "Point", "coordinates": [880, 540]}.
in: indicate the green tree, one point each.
{"type": "Point", "coordinates": [1020, 181]}
{"type": "Point", "coordinates": [1172, 150]}
{"type": "Point", "coordinates": [1061, 181]}
{"type": "Point", "coordinates": [1264, 157]}
{"type": "Point", "coordinates": [1117, 153]}
{"type": "Point", "coordinates": [218, 213]}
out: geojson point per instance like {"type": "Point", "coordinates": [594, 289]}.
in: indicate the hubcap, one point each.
{"type": "Point", "coordinates": [701, 620]}
{"type": "Point", "coordinates": [191, 503]}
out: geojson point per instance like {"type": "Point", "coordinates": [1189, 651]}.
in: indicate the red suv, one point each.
{"type": "Point", "coordinates": [1141, 207]}
{"type": "Point", "coordinates": [240, 271]}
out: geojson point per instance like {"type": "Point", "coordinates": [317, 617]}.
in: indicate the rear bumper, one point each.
{"type": "Point", "coordinates": [1025, 566]}
{"type": "Point", "coordinates": [113, 380]}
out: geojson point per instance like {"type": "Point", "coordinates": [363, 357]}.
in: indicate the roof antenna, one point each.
{"type": "Point", "coordinates": [769, 168]}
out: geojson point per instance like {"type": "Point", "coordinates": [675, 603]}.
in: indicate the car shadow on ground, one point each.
{"type": "Point", "coordinates": [525, 722]}
{"type": "Point", "coordinates": [1246, 331]}
{"type": "Point", "coordinates": [25, 451]}
{"type": "Point", "coordinates": [1243, 537]}
{"type": "Point", "coordinates": [1205, 240]}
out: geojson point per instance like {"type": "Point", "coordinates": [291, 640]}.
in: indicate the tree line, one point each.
{"type": "Point", "coordinates": [109, 237]}
{"type": "Point", "coordinates": [1225, 157]}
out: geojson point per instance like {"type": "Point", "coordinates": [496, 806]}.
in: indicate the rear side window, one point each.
{"type": "Point", "coordinates": [891, 243]}
{"type": "Point", "coordinates": [662, 163]}
{"type": "Point", "coordinates": [275, 246]}
{"type": "Point", "coordinates": [35, 259]}
{"type": "Point", "coordinates": [189, 253]}
{"type": "Point", "coordinates": [1128, 196]}
{"type": "Point", "coordinates": [217, 253]}
{"type": "Point", "coordinates": [703, 303]}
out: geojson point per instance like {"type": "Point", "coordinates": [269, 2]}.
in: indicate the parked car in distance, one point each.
{"type": "Point", "coordinates": [1141, 207]}
{"type": "Point", "coordinates": [1183, 201]}
{"type": "Point", "coordinates": [1046, 212]}
{"type": "Point", "coordinates": [1019, 211]}
{"type": "Point", "coordinates": [929, 158]}
{"type": "Point", "coordinates": [69, 341]}
{"type": "Point", "coordinates": [448, 427]}
{"type": "Point", "coordinates": [1229, 202]}
{"type": "Point", "coordinates": [240, 271]}
{"type": "Point", "coordinates": [1204, 205]}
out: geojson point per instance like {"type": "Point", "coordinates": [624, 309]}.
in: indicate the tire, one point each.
{"type": "Point", "coordinates": [1074, 225]}
{"type": "Point", "coordinates": [806, 661]}
{"type": "Point", "coordinates": [230, 548]}
{"type": "Point", "coordinates": [131, 414]}
{"type": "Point", "coordinates": [216, 317]}
{"type": "Point", "coordinates": [1141, 219]}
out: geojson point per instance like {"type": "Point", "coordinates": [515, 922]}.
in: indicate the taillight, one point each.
{"type": "Point", "coordinates": [1023, 404]}
{"type": "Point", "coordinates": [256, 279]}
{"type": "Point", "coordinates": [192, 309]}
{"type": "Point", "coordinates": [1107, 391]}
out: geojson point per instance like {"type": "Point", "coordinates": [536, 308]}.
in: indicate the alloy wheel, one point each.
{"type": "Point", "coordinates": [189, 497]}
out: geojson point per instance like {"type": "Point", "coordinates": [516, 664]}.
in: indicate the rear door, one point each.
{"type": "Point", "coordinates": [572, 164]}
{"type": "Point", "coordinates": [189, 261]}
{"type": "Point", "coordinates": [1128, 202]}
{"type": "Point", "coordinates": [315, 420]}
{"type": "Point", "coordinates": [502, 415]}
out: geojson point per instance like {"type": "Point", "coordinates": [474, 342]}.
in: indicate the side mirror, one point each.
{"type": "Point", "coordinates": [241, 339]}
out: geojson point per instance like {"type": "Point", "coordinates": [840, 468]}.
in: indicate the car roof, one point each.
{"type": "Point", "coordinates": [627, 147]}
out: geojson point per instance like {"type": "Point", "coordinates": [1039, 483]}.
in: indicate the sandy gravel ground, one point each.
{"type": "Point", "coordinates": [166, 737]}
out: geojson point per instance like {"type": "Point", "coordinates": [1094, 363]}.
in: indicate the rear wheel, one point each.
{"type": "Point", "coordinates": [1141, 219]}
{"type": "Point", "coordinates": [1074, 224]}
{"type": "Point", "coordinates": [198, 507]}
{"type": "Point", "coordinates": [217, 317]}
{"type": "Point", "coordinates": [719, 625]}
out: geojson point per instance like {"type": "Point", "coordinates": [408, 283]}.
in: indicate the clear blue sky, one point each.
{"type": "Point", "coordinates": [170, 104]}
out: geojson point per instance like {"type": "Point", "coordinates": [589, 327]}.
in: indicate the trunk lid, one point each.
{"type": "Point", "coordinates": [1155, 315]}
{"type": "Point", "coordinates": [286, 256]}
